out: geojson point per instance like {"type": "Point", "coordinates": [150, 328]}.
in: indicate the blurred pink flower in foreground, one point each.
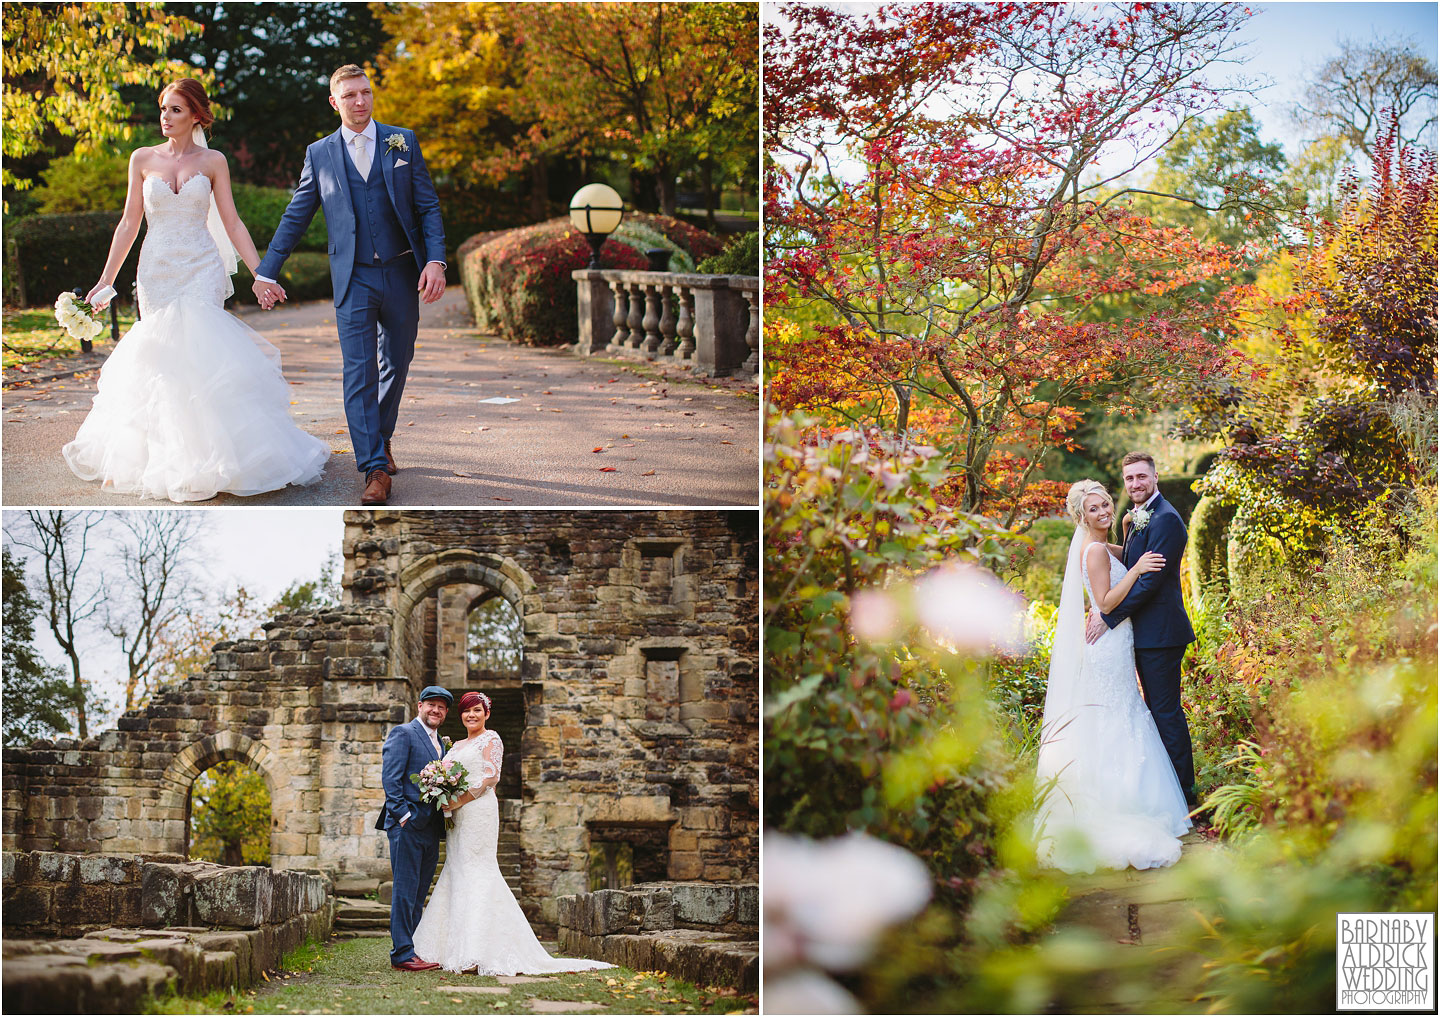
{"type": "Point", "coordinates": [873, 615]}
{"type": "Point", "coordinates": [968, 608]}
{"type": "Point", "coordinates": [826, 903]}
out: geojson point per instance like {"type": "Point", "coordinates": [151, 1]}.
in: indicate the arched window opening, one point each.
{"type": "Point", "coordinates": [495, 640]}
{"type": "Point", "coordinates": [230, 816]}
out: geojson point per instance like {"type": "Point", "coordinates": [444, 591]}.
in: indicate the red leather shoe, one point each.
{"type": "Point", "coordinates": [414, 964]}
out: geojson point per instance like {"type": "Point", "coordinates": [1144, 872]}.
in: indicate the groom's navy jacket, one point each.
{"type": "Point", "coordinates": [326, 182]}
{"type": "Point", "coordinates": [407, 750]}
{"type": "Point", "coordinates": [1154, 602]}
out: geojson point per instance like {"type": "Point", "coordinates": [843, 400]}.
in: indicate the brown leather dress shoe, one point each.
{"type": "Point", "coordinates": [415, 964]}
{"type": "Point", "coordinates": [390, 466]}
{"type": "Point", "coordinates": [377, 487]}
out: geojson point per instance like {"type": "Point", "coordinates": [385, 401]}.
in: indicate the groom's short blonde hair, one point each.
{"type": "Point", "coordinates": [1132, 458]}
{"type": "Point", "coordinates": [345, 73]}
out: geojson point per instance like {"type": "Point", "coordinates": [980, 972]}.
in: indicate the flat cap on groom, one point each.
{"type": "Point", "coordinates": [387, 249]}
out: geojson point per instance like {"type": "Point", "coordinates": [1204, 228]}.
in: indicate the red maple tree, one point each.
{"type": "Point", "coordinates": [943, 214]}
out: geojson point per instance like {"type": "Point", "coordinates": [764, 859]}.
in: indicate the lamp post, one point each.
{"type": "Point", "coordinates": [595, 211]}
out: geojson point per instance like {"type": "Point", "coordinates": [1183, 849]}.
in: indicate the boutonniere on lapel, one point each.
{"type": "Point", "coordinates": [1140, 518]}
{"type": "Point", "coordinates": [396, 142]}
{"type": "Point", "coordinates": [445, 743]}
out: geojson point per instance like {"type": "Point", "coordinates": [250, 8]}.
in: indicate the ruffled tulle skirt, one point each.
{"type": "Point", "coordinates": [192, 403]}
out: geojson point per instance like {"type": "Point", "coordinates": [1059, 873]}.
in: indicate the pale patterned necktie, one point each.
{"type": "Point", "coordinates": [362, 157]}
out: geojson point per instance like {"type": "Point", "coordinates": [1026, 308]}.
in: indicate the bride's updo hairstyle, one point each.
{"type": "Point", "coordinates": [473, 699]}
{"type": "Point", "coordinates": [194, 95]}
{"type": "Point", "coordinates": [1079, 491]}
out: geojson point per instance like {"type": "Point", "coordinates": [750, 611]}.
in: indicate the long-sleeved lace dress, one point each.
{"type": "Point", "coordinates": [472, 919]}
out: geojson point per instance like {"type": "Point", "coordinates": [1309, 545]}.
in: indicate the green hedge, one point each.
{"type": "Point", "coordinates": [45, 254]}
{"type": "Point", "coordinates": [48, 254]}
{"type": "Point", "coordinates": [740, 257]}
{"type": "Point", "coordinates": [1209, 543]}
{"type": "Point", "coordinates": [260, 209]}
{"type": "Point", "coordinates": [518, 281]}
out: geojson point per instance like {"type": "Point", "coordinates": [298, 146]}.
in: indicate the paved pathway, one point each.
{"type": "Point", "coordinates": [583, 432]}
{"type": "Point", "coordinates": [1143, 921]}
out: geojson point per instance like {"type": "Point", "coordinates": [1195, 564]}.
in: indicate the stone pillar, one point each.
{"type": "Point", "coordinates": [721, 315]}
{"type": "Point", "coordinates": [596, 321]}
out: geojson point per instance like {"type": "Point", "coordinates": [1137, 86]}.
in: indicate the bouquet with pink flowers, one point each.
{"type": "Point", "coordinates": [441, 783]}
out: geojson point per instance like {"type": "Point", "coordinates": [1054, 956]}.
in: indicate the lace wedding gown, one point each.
{"type": "Point", "coordinates": [191, 402]}
{"type": "Point", "coordinates": [1115, 801]}
{"type": "Point", "coordinates": [472, 919]}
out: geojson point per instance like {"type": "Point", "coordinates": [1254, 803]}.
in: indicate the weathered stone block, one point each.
{"type": "Point", "coordinates": [704, 904]}
{"type": "Point", "coordinates": [106, 869]}
{"type": "Point", "coordinates": [234, 896]}
{"type": "Point", "coordinates": [27, 905]}
{"type": "Point", "coordinates": [54, 867]}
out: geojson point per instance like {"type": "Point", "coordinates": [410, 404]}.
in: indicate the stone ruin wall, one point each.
{"type": "Point", "coordinates": [307, 706]}
{"type": "Point", "coordinates": [639, 685]}
{"type": "Point", "coordinates": [640, 674]}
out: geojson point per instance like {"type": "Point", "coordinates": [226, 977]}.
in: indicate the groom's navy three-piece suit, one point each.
{"type": "Point", "coordinates": [415, 846]}
{"type": "Point", "coordinates": [1162, 630]}
{"type": "Point", "coordinates": [383, 229]}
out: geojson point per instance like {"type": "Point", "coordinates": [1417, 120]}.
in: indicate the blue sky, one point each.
{"type": "Point", "coordinates": [1286, 40]}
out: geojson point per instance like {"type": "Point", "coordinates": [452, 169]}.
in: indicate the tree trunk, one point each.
{"type": "Point", "coordinates": [539, 190]}
{"type": "Point", "coordinates": [80, 726]}
{"type": "Point", "coordinates": [665, 189]}
{"type": "Point", "coordinates": [707, 187]}
{"type": "Point", "coordinates": [233, 853]}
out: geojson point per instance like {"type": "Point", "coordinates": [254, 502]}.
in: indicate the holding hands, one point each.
{"type": "Point", "coordinates": [269, 294]}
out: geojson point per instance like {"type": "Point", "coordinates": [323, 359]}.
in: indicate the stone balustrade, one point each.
{"type": "Point", "coordinates": [710, 323]}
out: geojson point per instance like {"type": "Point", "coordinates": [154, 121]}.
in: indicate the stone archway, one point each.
{"type": "Point", "coordinates": [179, 777]}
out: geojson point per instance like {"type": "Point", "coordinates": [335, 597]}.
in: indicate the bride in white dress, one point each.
{"type": "Point", "coordinates": [191, 402]}
{"type": "Point", "coordinates": [472, 920]}
{"type": "Point", "coordinates": [1109, 794]}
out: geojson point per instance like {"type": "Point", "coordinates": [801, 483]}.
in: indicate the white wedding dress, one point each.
{"type": "Point", "coordinates": [472, 919]}
{"type": "Point", "coordinates": [1109, 795]}
{"type": "Point", "coordinates": [191, 402]}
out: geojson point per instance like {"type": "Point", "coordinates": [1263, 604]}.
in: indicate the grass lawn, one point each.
{"type": "Point", "coordinates": [354, 976]}
{"type": "Point", "coordinates": [33, 335]}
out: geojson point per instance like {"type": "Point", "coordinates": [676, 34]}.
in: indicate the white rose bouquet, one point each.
{"type": "Point", "coordinates": [441, 783]}
{"type": "Point", "coordinates": [75, 318]}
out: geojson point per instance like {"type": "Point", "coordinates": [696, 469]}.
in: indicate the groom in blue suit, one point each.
{"type": "Point", "coordinates": [413, 827]}
{"type": "Point", "coordinates": [1157, 609]}
{"type": "Point", "coordinates": [387, 245]}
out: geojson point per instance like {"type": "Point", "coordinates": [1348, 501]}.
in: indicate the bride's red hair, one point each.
{"type": "Point", "coordinates": [194, 95]}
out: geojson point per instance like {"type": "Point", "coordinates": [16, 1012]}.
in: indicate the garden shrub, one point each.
{"type": "Point", "coordinates": [740, 257]}
{"type": "Point", "coordinates": [895, 738]}
{"type": "Point", "coordinates": [260, 209]}
{"type": "Point", "coordinates": [1208, 550]}
{"type": "Point", "coordinates": [518, 282]}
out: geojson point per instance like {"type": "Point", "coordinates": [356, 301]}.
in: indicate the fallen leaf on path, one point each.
{"type": "Point", "coordinates": [459, 474]}
{"type": "Point", "coordinates": [341, 431]}
{"type": "Point", "coordinates": [648, 473]}
{"type": "Point", "coordinates": [409, 423]}
{"type": "Point", "coordinates": [727, 442]}
{"type": "Point", "coordinates": [607, 469]}
{"type": "Point", "coordinates": [497, 497]}
{"type": "Point", "coordinates": [598, 448]}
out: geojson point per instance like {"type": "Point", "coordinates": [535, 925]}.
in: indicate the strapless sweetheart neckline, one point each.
{"type": "Point", "coordinates": [176, 193]}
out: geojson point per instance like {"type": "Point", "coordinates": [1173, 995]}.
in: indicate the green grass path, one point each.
{"type": "Point", "coordinates": [354, 976]}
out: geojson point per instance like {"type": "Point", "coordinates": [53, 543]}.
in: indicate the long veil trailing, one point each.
{"type": "Point", "coordinates": [229, 260]}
